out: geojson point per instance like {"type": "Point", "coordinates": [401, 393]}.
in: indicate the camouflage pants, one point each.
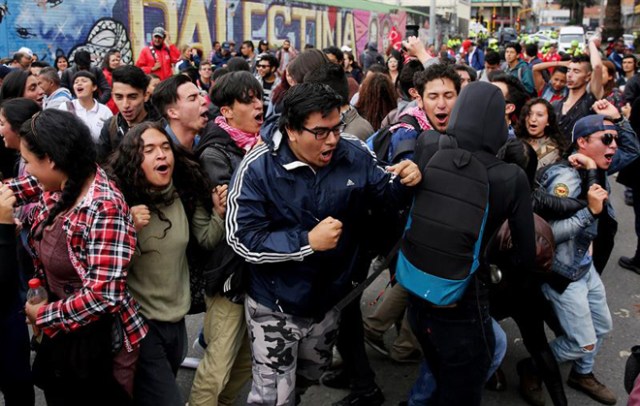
{"type": "Point", "coordinates": [283, 346]}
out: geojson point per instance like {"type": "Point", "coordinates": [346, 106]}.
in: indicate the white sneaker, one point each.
{"type": "Point", "coordinates": [190, 362]}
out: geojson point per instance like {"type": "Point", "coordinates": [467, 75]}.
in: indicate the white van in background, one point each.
{"type": "Point", "coordinates": [570, 34]}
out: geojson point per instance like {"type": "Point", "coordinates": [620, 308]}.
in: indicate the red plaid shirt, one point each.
{"type": "Point", "coordinates": [101, 240]}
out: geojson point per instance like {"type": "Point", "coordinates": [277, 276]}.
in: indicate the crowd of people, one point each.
{"type": "Point", "coordinates": [259, 186]}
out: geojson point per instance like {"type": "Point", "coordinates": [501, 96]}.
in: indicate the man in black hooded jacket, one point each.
{"type": "Point", "coordinates": [226, 365]}
{"type": "Point", "coordinates": [458, 339]}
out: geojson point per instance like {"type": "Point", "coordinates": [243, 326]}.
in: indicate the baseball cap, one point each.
{"type": "Point", "coordinates": [589, 125]}
{"type": "Point", "coordinates": [159, 32]}
{"type": "Point", "coordinates": [345, 48]}
{"type": "Point", "coordinates": [25, 50]}
{"type": "Point", "coordinates": [225, 45]}
{"type": "Point", "coordinates": [466, 43]}
{"type": "Point", "coordinates": [263, 42]}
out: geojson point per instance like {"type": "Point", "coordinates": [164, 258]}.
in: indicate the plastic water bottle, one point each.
{"type": "Point", "coordinates": [36, 294]}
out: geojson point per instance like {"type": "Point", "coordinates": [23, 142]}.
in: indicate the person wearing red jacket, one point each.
{"type": "Point", "coordinates": [158, 58]}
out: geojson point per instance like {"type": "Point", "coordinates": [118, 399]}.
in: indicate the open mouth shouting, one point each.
{"type": "Point", "coordinates": [259, 118]}
{"type": "Point", "coordinates": [326, 155]}
{"type": "Point", "coordinates": [442, 119]}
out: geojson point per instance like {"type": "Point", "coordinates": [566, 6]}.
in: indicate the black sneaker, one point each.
{"type": "Point", "coordinates": [630, 263]}
{"type": "Point", "coordinates": [369, 397]}
{"type": "Point", "coordinates": [336, 379]}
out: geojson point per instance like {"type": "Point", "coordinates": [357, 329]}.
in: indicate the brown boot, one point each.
{"type": "Point", "coordinates": [530, 383]}
{"type": "Point", "coordinates": [588, 384]}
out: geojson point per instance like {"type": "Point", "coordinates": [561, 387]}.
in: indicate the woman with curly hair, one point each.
{"type": "Point", "coordinates": [538, 127]}
{"type": "Point", "coordinates": [377, 98]}
{"type": "Point", "coordinates": [81, 240]}
{"type": "Point", "coordinates": [171, 204]}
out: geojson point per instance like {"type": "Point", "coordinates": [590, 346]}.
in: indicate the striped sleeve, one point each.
{"type": "Point", "coordinates": [249, 230]}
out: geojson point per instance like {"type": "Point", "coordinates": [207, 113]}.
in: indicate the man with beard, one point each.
{"type": "Point", "coordinates": [438, 87]}
{"type": "Point", "coordinates": [267, 66]}
{"type": "Point", "coordinates": [285, 55]}
{"type": "Point", "coordinates": [183, 106]}
{"type": "Point", "coordinates": [604, 143]}
{"type": "Point", "coordinates": [158, 58]}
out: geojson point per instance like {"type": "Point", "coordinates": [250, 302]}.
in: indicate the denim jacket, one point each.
{"type": "Point", "coordinates": [573, 235]}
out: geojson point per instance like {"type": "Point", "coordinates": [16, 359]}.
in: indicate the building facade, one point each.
{"type": "Point", "coordinates": [54, 27]}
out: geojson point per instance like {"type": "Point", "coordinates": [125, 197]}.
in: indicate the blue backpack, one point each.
{"type": "Point", "coordinates": [440, 249]}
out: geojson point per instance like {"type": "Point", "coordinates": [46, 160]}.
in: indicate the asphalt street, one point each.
{"type": "Point", "coordinates": [623, 294]}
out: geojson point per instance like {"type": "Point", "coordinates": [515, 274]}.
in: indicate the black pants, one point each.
{"type": "Point", "coordinates": [458, 344]}
{"type": "Point", "coordinates": [15, 358]}
{"type": "Point", "coordinates": [351, 346]}
{"type": "Point", "coordinates": [522, 299]}
{"type": "Point", "coordinates": [161, 353]}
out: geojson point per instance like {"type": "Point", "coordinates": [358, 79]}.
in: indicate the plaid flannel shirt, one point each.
{"type": "Point", "coordinates": [101, 240]}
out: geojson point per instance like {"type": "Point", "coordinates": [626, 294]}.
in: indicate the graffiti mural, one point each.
{"type": "Point", "coordinates": [51, 27]}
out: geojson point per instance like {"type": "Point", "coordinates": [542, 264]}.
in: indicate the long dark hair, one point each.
{"type": "Point", "coordinates": [67, 141]}
{"type": "Point", "coordinates": [14, 84]}
{"type": "Point", "coordinates": [18, 110]}
{"type": "Point", "coordinates": [377, 98]}
{"type": "Point", "coordinates": [191, 184]}
{"type": "Point", "coordinates": [552, 131]}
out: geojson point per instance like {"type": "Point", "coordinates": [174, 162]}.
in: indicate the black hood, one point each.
{"type": "Point", "coordinates": [212, 134]}
{"type": "Point", "coordinates": [477, 120]}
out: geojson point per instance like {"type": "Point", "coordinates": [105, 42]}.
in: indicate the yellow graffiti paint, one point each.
{"type": "Point", "coordinates": [302, 14]}
{"type": "Point", "coordinates": [195, 19]}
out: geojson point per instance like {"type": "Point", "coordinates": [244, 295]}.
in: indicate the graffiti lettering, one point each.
{"type": "Point", "coordinates": [74, 24]}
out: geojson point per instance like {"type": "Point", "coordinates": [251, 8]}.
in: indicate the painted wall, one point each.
{"type": "Point", "coordinates": [53, 27]}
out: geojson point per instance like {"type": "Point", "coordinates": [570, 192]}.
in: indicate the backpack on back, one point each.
{"type": "Point", "coordinates": [380, 141]}
{"type": "Point", "coordinates": [440, 249]}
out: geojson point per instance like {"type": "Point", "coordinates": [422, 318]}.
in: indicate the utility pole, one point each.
{"type": "Point", "coordinates": [432, 22]}
{"type": "Point", "coordinates": [501, 12]}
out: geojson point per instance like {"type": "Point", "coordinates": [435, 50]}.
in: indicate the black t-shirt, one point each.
{"type": "Point", "coordinates": [580, 109]}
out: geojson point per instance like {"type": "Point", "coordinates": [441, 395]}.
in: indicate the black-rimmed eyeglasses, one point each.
{"type": "Point", "coordinates": [322, 133]}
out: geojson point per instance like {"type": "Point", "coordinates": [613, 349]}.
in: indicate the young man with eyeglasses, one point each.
{"type": "Point", "coordinates": [267, 66]}
{"type": "Point", "coordinates": [295, 209]}
{"type": "Point", "coordinates": [205, 71]}
{"type": "Point", "coordinates": [604, 143]}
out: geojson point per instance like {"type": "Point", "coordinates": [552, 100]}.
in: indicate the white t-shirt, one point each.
{"type": "Point", "coordinates": [94, 118]}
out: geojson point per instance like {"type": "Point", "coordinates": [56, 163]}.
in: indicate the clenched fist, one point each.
{"type": "Point", "coordinates": [141, 216]}
{"type": "Point", "coordinates": [325, 235]}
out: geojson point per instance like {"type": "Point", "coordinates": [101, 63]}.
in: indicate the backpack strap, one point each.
{"type": "Point", "coordinates": [70, 107]}
{"type": "Point", "coordinates": [153, 53]}
{"type": "Point", "coordinates": [408, 145]}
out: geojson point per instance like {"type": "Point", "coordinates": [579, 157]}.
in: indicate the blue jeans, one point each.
{"type": "Point", "coordinates": [458, 344]}
{"type": "Point", "coordinates": [584, 315]}
{"type": "Point", "coordinates": [425, 384]}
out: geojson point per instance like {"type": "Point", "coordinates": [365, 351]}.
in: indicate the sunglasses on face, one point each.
{"type": "Point", "coordinates": [322, 133]}
{"type": "Point", "coordinates": [263, 66]}
{"type": "Point", "coordinates": [608, 138]}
